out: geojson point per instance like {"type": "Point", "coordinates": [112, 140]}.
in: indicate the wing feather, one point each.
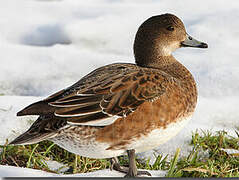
{"type": "Point", "coordinates": [77, 101]}
{"type": "Point", "coordinates": [77, 111]}
{"type": "Point", "coordinates": [111, 91]}
{"type": "Point", "coordinates": [115, 95]}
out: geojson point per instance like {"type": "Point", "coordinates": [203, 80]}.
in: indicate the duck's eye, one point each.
{"type": "Point", "coordinates": [170, 28]}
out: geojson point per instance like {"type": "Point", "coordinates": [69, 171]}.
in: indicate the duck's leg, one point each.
{"type": "Point", "coordinates": [133, 172]}
{"type": "Point", "coordinates": [130, 171]}
{"type": "Point", "coordinates": [132, 165]}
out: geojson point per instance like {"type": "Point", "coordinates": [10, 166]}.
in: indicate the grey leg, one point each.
{"type": "Point", "coordinates": [132, 165]}
{"type": "Point", "coordinates": [132, 170]}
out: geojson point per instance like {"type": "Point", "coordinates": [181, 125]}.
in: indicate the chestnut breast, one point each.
{"type": "Point", "coordinates": [178, 102]}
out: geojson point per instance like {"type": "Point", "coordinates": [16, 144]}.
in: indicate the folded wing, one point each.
{"type": "Point", "coordinates": [104, 95]}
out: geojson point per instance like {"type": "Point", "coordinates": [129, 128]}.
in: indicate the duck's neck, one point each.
{"type": "Point", "coordinates": [167, 64]}
{"type": "Point", "coordinates": [156, 61]}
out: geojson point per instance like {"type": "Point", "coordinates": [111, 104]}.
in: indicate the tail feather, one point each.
{"type": "Point", "coordinates": [27, 138]}
{"type": "Point", "coordinates": [37, 108]}
{"type": "Point", "coordinates": [45, 127]}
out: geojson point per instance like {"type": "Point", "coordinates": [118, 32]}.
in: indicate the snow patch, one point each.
{"type": "Point", "coordinates": [46, 35]}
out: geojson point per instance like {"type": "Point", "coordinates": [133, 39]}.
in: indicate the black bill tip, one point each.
{"type": "Point", "coordinates": [203, 45]}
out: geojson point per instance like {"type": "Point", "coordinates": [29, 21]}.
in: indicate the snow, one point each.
{"type": "Point", "coordinates": [11, 171]}
{"type": "Point", "coordinates": [48, 45]}
{"type": "Point", "coordinates": [231, 151]}
{"type": "Point", "coordinates": [56, 166]}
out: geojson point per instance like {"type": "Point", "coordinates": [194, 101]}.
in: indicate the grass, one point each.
{"type": "Point", "coordinates": [35, 156]}
{"type": "Point", "coordinates": [217, 163]}
{"type": "Point", "coordinates": [207, 158]}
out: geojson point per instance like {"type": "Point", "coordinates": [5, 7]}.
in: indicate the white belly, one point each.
{"type": "Point", "coordinates": [158, 136]}
{"type": "Point", "coordinates": [84, 144]}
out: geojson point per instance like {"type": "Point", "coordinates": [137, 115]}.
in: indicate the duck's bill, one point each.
{"type": "Point", "coordinates": [191, 42]}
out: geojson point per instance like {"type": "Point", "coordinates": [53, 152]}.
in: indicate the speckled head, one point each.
{"type": "Point", "coordinates": [159, 36]}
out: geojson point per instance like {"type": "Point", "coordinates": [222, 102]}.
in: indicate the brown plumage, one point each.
{"type": "Point", "coordinates": [113, 107]}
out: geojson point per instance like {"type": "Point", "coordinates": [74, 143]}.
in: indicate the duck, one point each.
{"type": "Point", "coordinates": [123, 108]}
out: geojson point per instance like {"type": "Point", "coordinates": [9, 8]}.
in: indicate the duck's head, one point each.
{"type": "Point", "coordinates": [159, 36]}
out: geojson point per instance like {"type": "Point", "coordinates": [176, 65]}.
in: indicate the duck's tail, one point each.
{"type": "Point", "coordinates": [35, 133]}
{"type": "Point", "coordinates": [27, 138]}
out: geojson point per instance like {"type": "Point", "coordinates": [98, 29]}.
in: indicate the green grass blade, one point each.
{"type": "Point", "coordinates": [173, 164]}
{"type": "Point", "coordinates": [29, 160]}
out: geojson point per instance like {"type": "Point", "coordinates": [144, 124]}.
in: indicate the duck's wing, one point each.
{"type": "Point", "coordinates": [104, 95]}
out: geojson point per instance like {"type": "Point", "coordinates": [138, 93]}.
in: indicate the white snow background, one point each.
{"type": "Point", "coordinates": [47, 45]}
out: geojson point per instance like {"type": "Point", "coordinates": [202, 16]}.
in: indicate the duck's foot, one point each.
{"type": "Point", "coordinates": [130, 171]}
{"type": "Point", "coordinates": [116, 166]}
{"type": "Point", "coordinates": [139, 173]}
